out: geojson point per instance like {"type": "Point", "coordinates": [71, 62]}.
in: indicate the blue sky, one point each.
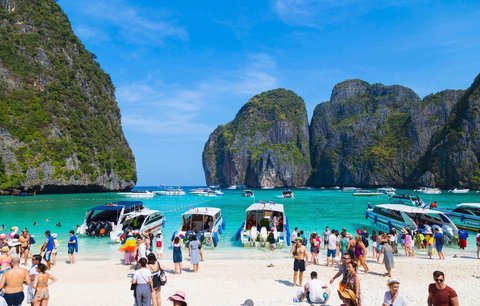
{"type": "Point", "coordinates": [181, 68]}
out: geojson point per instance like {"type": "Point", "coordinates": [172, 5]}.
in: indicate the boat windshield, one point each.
{"type": "Point", "coordinates": [468, 210]}
{"type": "Point", "coordinates": [105, 215]}
{"type": "Point", "coordinates": [393, 214]}
{"type": "Point", "coordinates": [197, 223]}
{"type": "Point", "coordinates": [264, 218]}
{"type": "Point", "coordinates": [135, 223]}
{"type": "Point", "coordinates": [424, 218]}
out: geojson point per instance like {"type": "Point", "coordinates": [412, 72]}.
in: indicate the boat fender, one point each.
{"type": "Point", "coordinates": [237, 235]}
{"type": "Point", "coordinates": [173, 235]}
{"type": "Point", "coordinates": [390, 225]}
{"type": "Point", "coordinates": [366, 215]}
{"type": "Point", "coordinates": [375, 219]}
{"type": "Point", "coordinates": [215, 239]}
{"type": "Point", "coordinates": [220, 230]}
{"type": "Point", "coordinates": [223, 224]}
{"type": "Point", "coordinates": [163, 222]}
{"type": "Point", "coordinates": [462, 218]}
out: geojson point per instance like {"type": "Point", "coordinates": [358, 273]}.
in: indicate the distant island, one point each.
{"type": "Point", "coordinates": [366, 135]}
{"type": "Point", "coordinates": [60, 125]}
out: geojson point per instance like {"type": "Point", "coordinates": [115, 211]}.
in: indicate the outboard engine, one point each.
{"type": "Point", "coordinates": [448, 231]}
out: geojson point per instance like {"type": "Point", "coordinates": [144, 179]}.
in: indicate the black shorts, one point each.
{"type": "Point", "coordinates": [298, 265]}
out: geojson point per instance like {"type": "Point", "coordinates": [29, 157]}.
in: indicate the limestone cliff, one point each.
{"type": "Point", "coordinates": [60, 127]}
{"type": "Point", "coordinates": [266, 145]}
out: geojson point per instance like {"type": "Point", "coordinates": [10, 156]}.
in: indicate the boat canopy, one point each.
{"type": "Point", "coordinates": [476, 205]}
{"type": "Point", "coordinates": [410, 209]}
{"type": "Point", "coordinates": [266, 206]}
{"type": "Point", "coordinates": [119, 205]}
{"type": "Point", "coordinates": [208, 211]}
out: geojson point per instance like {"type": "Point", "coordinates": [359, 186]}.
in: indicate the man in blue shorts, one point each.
{"type": "Point", "coordinates": [47, 247]}
{"type": "Point", "coordinates": [331, 248]}
{"type": "Point", "coordinates": [72, 247]}
{"type": "Point", "coordinates": [439, 242]}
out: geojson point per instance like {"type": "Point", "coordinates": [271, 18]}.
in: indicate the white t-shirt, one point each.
{"type": "Point", "coordinates": [142, 275]}
{"type": "Point", "coordinates": [142, 251]}
{"type": "Point", "coordinates": [293, 236]}
{"type": "Point", "coordinates": [33, 270]}
{"type": "Point", "coordinates": [399, 301]}
{"type": "Point", "coordinates": [332, 242]}
{"type": "Point", "coordinates": [2, 301]}
{"type": "Point", "coordinates": [315, 290]}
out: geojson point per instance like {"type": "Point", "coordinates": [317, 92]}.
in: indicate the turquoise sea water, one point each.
{"type": "Point", "coordinates": [311, 210]}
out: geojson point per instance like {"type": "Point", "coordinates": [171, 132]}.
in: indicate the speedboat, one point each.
{"type": "Point", "coordinates": [287, 194]}
{"type": "Point", "coordinates": [140, 222]}
{"type": "Point", "coordinates": [457, 190]}
{"type": "Point", "coordinates": [207, 192]}
{"type": "Point", "coordinates": [248, 193]}
{"type": "Point", "coordinates": [350, 189]}
{"type": "Point", "coordinates": [261, 218]}
{"type": "Point", "coordinates": [387, 190]}
{"type": "Point", "coordinates": [170, 191]}
{"type": "Point", "coordinates": [465, 215]}
{"type": "Point", "coordinates": [407, 199]}
{"type": "Point", "coordinates": [366, 193]}
{"type": "Point", "coordinates": [112, 218]}
{"type": "Point", "coordinates": [137, 194]}
{"type": "Point", "coordinates": [388, 216]}
{"type": "Point", "coordinates": [232, 187]}
{"type": "Point", "coordinates": [206, 222]}
{"type": "Point", "coordinates": [428, 190]}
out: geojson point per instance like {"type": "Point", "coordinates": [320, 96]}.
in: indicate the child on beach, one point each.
{"type": "Point", "coordinates": [430, 247]}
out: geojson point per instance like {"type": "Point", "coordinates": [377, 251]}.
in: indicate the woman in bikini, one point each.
{"type": "Point", "coordinates": [5, 260]}
{"type": "Point", "coordinates": [41, 285]}
{"type": "Point", "coordinates": [154, 267]}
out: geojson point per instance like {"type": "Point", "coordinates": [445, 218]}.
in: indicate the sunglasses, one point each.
{"type": "Point", "coordinates": [440, 280]}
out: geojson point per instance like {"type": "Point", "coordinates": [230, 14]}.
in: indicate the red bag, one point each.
{"type": "Point", "coordinates": [159, 244]}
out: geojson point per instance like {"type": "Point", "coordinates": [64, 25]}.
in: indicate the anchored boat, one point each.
{"type": "Point", "coordinates": [206, 222]}
{"type": "Point", "coordinates": [260, 219]}
{"type": "Point", "coordinates": [465, 215]}
{"type": "Point", "coordinates": [388, 216]}
{"type": "Point", "coordinates": [137, 194]}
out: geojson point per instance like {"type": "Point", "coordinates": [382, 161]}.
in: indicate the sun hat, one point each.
{"type": "Point", "coordinates": [178, 296]}
{"type": "Point", "coordinates": [348, 294]}
{"type": "Point", "coordinates": [393, 281]}
{"type": "Point", "coordinates": [248, 302]}
{"type": "Point", "coordinates": [5, 249]}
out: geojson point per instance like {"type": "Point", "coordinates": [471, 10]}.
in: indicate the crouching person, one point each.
{"type": "Point", "coordinates": [314, 291]}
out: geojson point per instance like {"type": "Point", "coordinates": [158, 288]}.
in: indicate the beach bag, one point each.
{"type": "Point", "coordinates": [159, 278]}
{"type": "Point", "coordinates": [159, 243]}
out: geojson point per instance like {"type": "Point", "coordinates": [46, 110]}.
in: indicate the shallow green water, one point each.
{"type": "Point", "coordinates": [311, 210]}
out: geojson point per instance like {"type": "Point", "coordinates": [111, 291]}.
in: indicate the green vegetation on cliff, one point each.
{"type": "Point", "coordinates": [56, 103]}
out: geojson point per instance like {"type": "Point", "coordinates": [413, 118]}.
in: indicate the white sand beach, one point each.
{"type": "Point", "coordinates": [231, 281]}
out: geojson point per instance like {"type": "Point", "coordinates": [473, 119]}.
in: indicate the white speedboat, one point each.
{"type": "Point", "coordinates": [366, 193]}
{"type": "Point", "coordinates": [206, 222]}
{"type": "Point", "coordinates": [457, 190]}
{"type": "Point", "coordinates": [232, 187]}
{"type": "Point", "coordinates": [388, 216]}
{"type": "Point", "coordinates": [207, 192]}
{"type": "Point", "coordinates": [428, 190]}
{"type": "Point", "coordinates": [267, 187]}
{"type": "Point", "coordinates": [350, 189]}
{"type": "Point", "coordinates": [139, 221]}
{"type": "Point", "coordinates": [407, 199]}
{"type": "Point", "coordinates": [137, 194]}
{"type": "Point", "coordinates": [170, 191]}
{"type": "Point", "coordinates": [110, 220]}
{"type": "Point", "coordinates": [387, 190]}
{"type": "Point", "coordinates": [287, 194]}
{"type": "Point", "coordinates": [465, 215]}
{"type": "Point", "coordinates": [248, 193]}
{"type": "Point", "coordinates": [260, 219]}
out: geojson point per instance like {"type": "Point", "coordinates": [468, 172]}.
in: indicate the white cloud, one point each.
{"type": "Point", "coordinates": [318, 13]}
{"type": "Point", "coordinates": [134, 26]}
{"type": "Point", "coordinates": [158, 108]}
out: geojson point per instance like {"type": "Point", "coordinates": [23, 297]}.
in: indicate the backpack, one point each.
{"type": "Point", "coordinates": [159, 278]}
{"type": "Point", "coordinates": [441, 239]}
{"type": "Point", "coordinates": [32, 240]}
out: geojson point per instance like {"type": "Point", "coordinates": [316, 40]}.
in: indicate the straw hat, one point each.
{"type": "Point", "coordinates": [348, 294]}
{"type": "Point", "coordinates": [179, 296]}
{"type": "Point", "coordinates": [5, 249]}
{"type": "Point", "coordinates": [404, 231]}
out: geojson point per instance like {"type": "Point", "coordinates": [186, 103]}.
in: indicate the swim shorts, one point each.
{"type": "Point", "coordinates": [47, 255]}
{"type": "Point", "coordinates": [298, 265]}
{"type": "Point", "coordinates": [332, 253]}
{"type": "Point", "coordinates": [14, 298]}
{"type": "Point", "coordinates": [71, 249]}
{"type": "Point", "coordinates": [439, 247]}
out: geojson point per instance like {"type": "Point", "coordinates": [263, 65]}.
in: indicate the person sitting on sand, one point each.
{"type": "Point", "coordinates": [315, 292]}
{"type": "Point", "coordinates": [392, 296]}
{"type": "Point", "coordinates": [300, 261]}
